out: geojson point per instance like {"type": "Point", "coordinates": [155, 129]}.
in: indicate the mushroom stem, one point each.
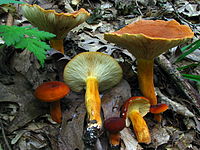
{"type": "Point", "coordinates": [57, 44]}
{"type": "Point", "coordinates": [114, 139]}
{"type": "Point", "coordinates": [145, 78]}
{"type": "Point", "coordinates": [55, 111]}
{"type": "Point", "coordinates": [93, 103]}
{"type": "Point", "coordinates": [140, 127]}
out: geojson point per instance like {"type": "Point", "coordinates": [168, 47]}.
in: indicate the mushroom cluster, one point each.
{"type": "Point", "coordinates": [95, 72]}
{"type": "Point", "coordinates": [147, 39]}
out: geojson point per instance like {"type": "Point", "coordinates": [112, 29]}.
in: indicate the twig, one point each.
{"type": "Point", "coordinates": [138, 7]}
{"type": "Point", "coordinates": [186, 89]}
{"type": "Point", "coordinates": [92, 6]}
{"type": "Point", "coordinates": [177, 107]}
{"type": "Point", "coordinates": [68, 7]}
{"type": "Point", "coordinates": [4, 136]}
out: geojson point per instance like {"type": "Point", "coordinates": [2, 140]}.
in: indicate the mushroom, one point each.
{"type": "Point", "coordinates": [146, 39]}
{"type": "Point", "coordinates": [94, 72]}
{"type": "Point", "coordinates": [135, 108]}
{"type": "Point", "coordinates": [52, 92]}
{"type": "Point", "coordinates": [159, 108]}
{"type": "Point", "coordinates": [57, 23]}
{"type": "Point", "coordinates": [114, 125]}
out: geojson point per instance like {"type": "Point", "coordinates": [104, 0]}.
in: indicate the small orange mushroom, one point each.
{"type": "Point", "coordinates": [135, 108]}
{"type": "Point", "coordinates": [57, 23]}
{"type": "Point", "coordinates": [114, 125]}
{"type": "Point", "coordinates": [52, 92]}
{"type": "Point", "coordinates": [159, 108]}
{"type": "Point", "coordinates": [146, 39]}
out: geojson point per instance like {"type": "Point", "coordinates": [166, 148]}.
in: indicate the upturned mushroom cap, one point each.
{"type": "Point", "coordinates": [49, 20]}
{"type": "Point", "coordinates": [51, 91]}
{"type": "Point", "coordinates": [148, 38]}
{"type": "Point", "coordinates": [137, 103]}
{"type": "Point", "coordinates": [95, 65]}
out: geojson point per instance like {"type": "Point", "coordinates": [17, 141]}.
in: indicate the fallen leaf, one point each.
{"type": "Point", "coordinates": [178, 108]}
{"type": "Point", "coordinates": [71, 133]}
{"type": "Point", "coordinates": [128, 141]}
{"type": "Point", "coordinates": [113, 100]}
{"type": "Point", "coordinates": [159, 136]}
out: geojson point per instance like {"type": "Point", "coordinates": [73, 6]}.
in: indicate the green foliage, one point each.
{"type": "Point", "coordinates": [188, 66]}
{"type": "Point", "coordinates": [192, 77]}
{"type": "Point", "coordinates": [10, 1]}
{"type": "Point", "coordinates": [188, 50]}
{"type": "Point", "coordinates": [27, 38]}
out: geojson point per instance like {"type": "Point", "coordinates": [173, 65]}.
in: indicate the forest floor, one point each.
{"type": "Point", "coordinates": [25, 122]}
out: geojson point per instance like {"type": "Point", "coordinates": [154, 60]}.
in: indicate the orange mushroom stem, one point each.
{"type": "Point", "coordinates": [93, 101]}
{"type": "Point", "coordinates": [140, 127]}
{"type": "Point", "coordinates": [145, 77]}
{"type": "Point", "coordinates": [57, 44]}
{"type": "Point", "coordinates": [55, 111]}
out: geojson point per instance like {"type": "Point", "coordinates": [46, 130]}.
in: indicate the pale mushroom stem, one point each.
{"type": "Point", "coordinates": [93, 103]}
{"type": "Point", "coordinates": [55, 111]}
{"type": "Point", "coordinates": [140, 127]}
{"type": "Point", "coordinates": [57, 44]}
{"type": "Point", "coordinates": [145, 78]}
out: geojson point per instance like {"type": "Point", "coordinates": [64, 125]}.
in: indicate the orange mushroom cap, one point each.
{"type": "Point", "coordinates": [159, 108]}
{"type": "Point", "coordinates": [51, 91]}
{"type": "Point", "coordinates": [148, 38]}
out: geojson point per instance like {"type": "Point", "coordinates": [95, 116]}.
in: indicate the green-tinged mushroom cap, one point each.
{"type": "Point", "coordinates": [92, 64]}
{"type": "Point", "coordinates": [57, 23]}
{"type": "Point", "coordinates": [92, 71]}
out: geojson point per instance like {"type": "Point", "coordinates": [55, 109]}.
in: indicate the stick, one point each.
{"type": "Point", "coordinates": [186, 89]}
{"type": "Point", "coordinates": [4, 136]}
